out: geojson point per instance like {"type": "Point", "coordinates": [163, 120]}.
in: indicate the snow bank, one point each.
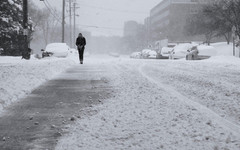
{"type": "Point", "coordinates": [145, 114]}
{"type": "Point", "coordinates": [223, 49]}
{"type": "Point", "coordinates": [19, 77]}
{"type": "Point", "coordinates": [207, 50]}
{"type": "Point", "coordinates": [224, 60]}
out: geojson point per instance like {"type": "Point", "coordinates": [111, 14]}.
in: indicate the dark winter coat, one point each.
{"type": "Point", "coordinates": [81, 42]}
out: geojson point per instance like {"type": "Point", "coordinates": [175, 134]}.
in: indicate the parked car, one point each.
{"type": "Point", "coordinates": [201, 52]}
{"type": "Point", "coordinates": [181, 50]}
{"type": "Point", "coordinates": [192, 54]}
{"type": "Point", "coordinates": [46, 54]}
{"type": "Point", "coordinates": [147, 53]}
{"type": "Point", "coordinates": [136, 55]}
{"type": "Point", "coordinates": [58, 49]}
{"type": "Point", "coordinates": [164, 53]}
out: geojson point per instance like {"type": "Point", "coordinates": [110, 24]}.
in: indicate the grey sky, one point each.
{"type": "Point", "coordinates": [108, 15]}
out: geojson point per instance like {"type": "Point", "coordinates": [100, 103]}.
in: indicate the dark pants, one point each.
{"type": "Point", "coordinates": [81, 52]}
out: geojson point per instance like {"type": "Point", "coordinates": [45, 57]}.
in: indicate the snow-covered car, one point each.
{"type": "Point", "coordinates": [192, 54]}
{"type": "Point", "coordinates": [46, 54]}
{"type": "Point", "coordinates": [201, 52]}
{"type": "Point", "coordinates": [136, 55]}
{"type": "Point", "coordinates": [164, 53]}
{"type": "Point", "coordinates": [181, 50]}
{"type": "Point", "coordinates": [147, 53]}
{"type": "Point", "coordinates": [58, 49]}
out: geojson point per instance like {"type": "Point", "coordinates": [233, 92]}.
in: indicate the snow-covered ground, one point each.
{"type": "Point", "coordinates": [18, 77]}
{"type": "Point", "coordinates": [155, 104]}
{"type": "Point", "coordinates": [164, 104]}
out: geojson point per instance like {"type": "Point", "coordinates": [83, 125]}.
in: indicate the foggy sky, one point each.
{"type": "Point", "coordinates": [107, 16]}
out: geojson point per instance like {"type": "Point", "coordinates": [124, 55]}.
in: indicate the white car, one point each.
{"type": "Point", "coordinates": [136, 55]}
{"type": "Point", "coordinates": [164, 53]}
{"type": "Point", "coordinates": [58, 49]}
{"type": "Point", "coordinates": [181, 50]}
{"type": "Point", "coordinates": [147, 53]}
{"type": "Point", "coordinates": [201, 52]}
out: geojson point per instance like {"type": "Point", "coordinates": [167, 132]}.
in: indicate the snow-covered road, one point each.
{"type": "Point", "coordinates": [164, 104]}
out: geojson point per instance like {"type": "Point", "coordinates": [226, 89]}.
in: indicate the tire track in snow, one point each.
{"type": "Point", "coordinates": [235, 129]}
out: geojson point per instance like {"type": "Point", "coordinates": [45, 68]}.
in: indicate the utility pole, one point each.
{"type": "Point", "coordinates": [25, 54]}
{"type": "Point", "coordinates": [74, 22]}
{"type": "Point", "coordinates": [63, 20]}
{"type": "Point", "coordinates": [74, 28]}
{"type": "Point", "coordinates": [70, 20]}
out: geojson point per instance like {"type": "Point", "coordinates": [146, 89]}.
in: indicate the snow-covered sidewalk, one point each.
{"type": "Point", "coordinates": [143, 114]}
{"type": "Point", "coordinates": [19, 77]}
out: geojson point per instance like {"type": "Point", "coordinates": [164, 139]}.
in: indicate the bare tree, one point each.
{"type": "Point", "coordinates": [216, 19]}
{"type": "Point", "coordinates": [230, 12]}
{"type": "Point", "coordinates": [201, 24]}
{"type": "Point", "coordinates": [219, 12]}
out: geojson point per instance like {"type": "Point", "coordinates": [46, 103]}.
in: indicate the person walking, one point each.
{"type": "Point", "coordinates": [80, 42]}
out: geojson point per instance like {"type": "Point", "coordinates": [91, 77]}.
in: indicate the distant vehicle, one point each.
{"type": "Point", "coordinates": [46, 54]}
{"type": "Point", "coordinates": [164, 53]}
{"type": "Point", "coordinates": [181, 50]}
{"type": "Point", "coordinates": [136, 55]}
{"type": "Point", "coordinates": [147, 53]}
{"type": "Point", "coordinates": [192, 54]}
{"type": "Point", "coordinates": [192, 51]}
{"type": "Point", "coordinates": [58, 49]}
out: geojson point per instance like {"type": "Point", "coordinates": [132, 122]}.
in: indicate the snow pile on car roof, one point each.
{"type": "Point", "coordinates": [58, 49]}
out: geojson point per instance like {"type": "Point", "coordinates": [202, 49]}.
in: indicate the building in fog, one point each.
{"type": "Point", "coordinates": [130, 28]}
{"type": "Point", "coordinates": [134, 36]}
{"type": "Point", "coordinates": [168, 18]}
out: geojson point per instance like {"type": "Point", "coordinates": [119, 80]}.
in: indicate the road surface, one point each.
{"type": "Point", "coordinates": [164, 104]}
{"type": "Point", "coordinates": [121, 103]}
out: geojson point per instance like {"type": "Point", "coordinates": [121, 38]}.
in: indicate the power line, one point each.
{"type": "Point", "coordinates": [49, 5]}
{"type": "Point", "coordinates": [50, 10]}
{"type": "Point", "coordinates": [53, 9]}
{"type": "Point", "coordinates": [100, 27]}
{"type": "Point", "coordinates": [114, 10]}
